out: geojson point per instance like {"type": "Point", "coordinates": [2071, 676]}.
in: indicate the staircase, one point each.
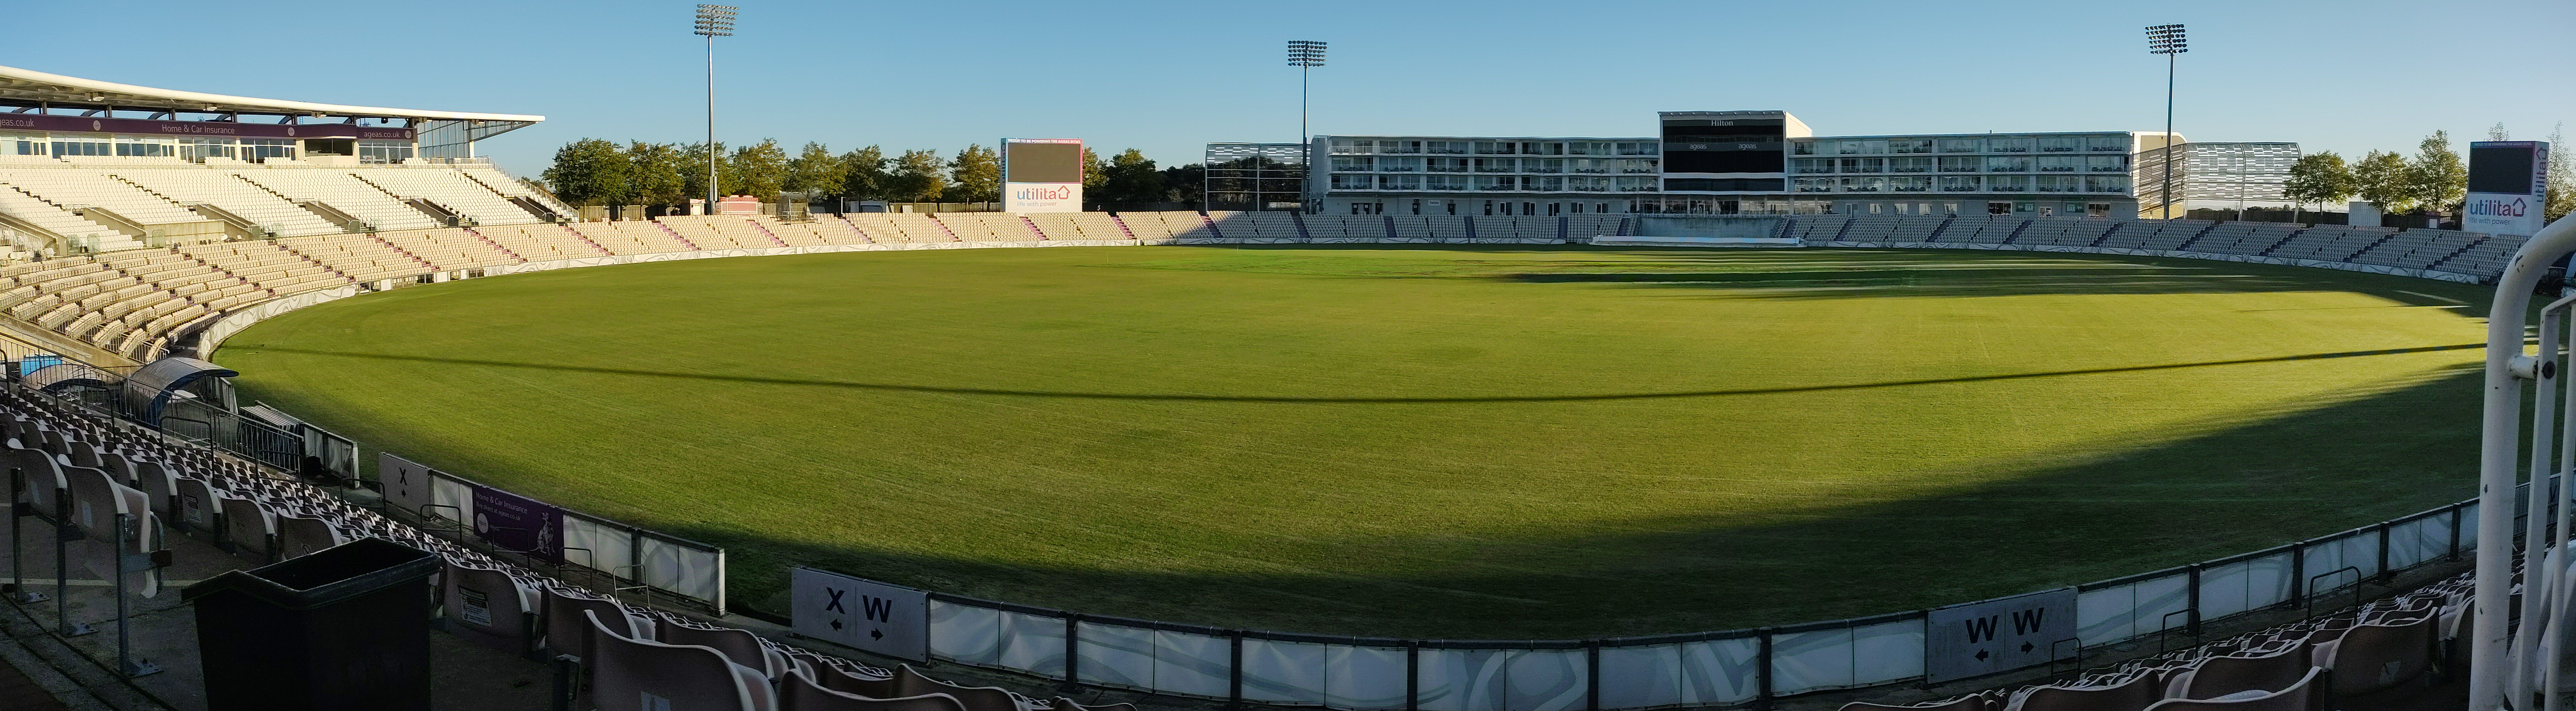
{"type": "Point", "coordinates": [2195, 237]}
{"type": "Point", "coordinates": [675, 234]}
{"type": "Point", "coordinates": [2106, 234]}
{"type": "Point", "coordinates": [497, 245]}
{"type": "Point", "coordinates": [585, 239]}
{"type": "Point", "coordinates": [404, 252]}
{"type": "Point", "coordinates": [773, 236]}
{"type": "Point", "coordinates": [315, 262]}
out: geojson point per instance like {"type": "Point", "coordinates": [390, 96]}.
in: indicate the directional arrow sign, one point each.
{"type": "Point", "coordinates": [1997, 635]}
{"type": "Point", "coordinates": [836, 608]}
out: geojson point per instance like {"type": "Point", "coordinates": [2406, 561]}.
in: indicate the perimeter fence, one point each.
{"type": "Point", "coordinates": [1728, 668]}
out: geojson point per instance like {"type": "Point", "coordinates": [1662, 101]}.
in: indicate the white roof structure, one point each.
{"type": "Point", "coordinates": [33, 87]}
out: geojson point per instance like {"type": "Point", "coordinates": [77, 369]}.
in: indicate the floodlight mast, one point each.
{"type": "Point", "coordinates": [1305, 55]}
{"type": "Point", "coordinates": [2167, 40]}
{"type": "Point", "coordinates": [713, 21]}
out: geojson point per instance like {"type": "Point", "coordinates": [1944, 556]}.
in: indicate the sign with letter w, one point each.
{"type": "Point", "coordinates": [1998, 635]}
{"type": "Point", "coordinates": [865, 614]}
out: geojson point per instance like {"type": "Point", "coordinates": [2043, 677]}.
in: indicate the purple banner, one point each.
{"type": "Point", "coordinates": [93, 124]}
{"type": "Point", "coordinates": [518, 523]}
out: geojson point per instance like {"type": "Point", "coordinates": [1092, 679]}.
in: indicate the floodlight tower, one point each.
{"type": "Point", "coordinates": [713, 21]}
{"type": "Point", "coordinates": [2167, 40]}
{"type": "Point", "coordinates": [1305, 55]}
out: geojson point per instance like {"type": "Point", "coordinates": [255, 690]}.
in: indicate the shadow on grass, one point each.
{"type": "Point", "coordinates": [2291, 477]}
{"type": "Point", "coordinates": [1195, 397]}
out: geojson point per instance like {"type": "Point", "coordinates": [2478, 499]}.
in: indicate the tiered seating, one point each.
{"type": "Point", "coordinates": [2410, 249]}
{"type": "Point", "coordinates": [1162, 226]}
{"type": "Point", "coordinates": [625, 652]}
{"type": "Point", "coordinates": [341, 191]}
{"type": "Point", "coordinates": [448, 249]}
{"type": "Point", "coordinates": [1437, 228]}
{"type": "Point", "coordinates": [541, 242]}
{"type": "Point", "coordinates": [1583, 227]}
{"type": "Point", "coordinates": [1980, 229]}
{"type": "Point", "coordinates": [2331, 243]}
{"type": "Point", "coordinates": [450, 189]}
{"type": "Point", "coordinates": [720, 231]}
{"type": "Point", "coordinates": [2065, 231]}
{"type": "Point", "coordinates": [896, 227]}
{"type": "Point", "coordinates": [1346, 227]}
{"type": "Point", "coordinates": [1084, 226]}
{"type": "Point", "coordinates": [2485, 258]}
{"type": "Point", "coordinates": [194, 186]}
{"type": "Point", "coordinates": [2164, 235]}
{"type": "Point", "coordinates": [1884, 229]}
{"type": "Point", "coordinates": [2243, 237]}
{"type": "Point", "coordinates": [362, 257]}
{"type": "Point", "coordinates": [986, 226]}
{"type": "Point", "coordinates": [62, 222]}
{"type": "Point", "coordinates": [1814, 229]}
{"type": "Point", "coordinates": [630, 237]}
{"type": "Point", "coordinates": [834, 230]}
{"type": "Point", "coordinates": [508, 186]}
{"type": "Point", "coordinates": [1525, 228]}
{"type": "Point", "coordinates": [267, 265]}
{"type": "Point", "coordinates": [74, 189]}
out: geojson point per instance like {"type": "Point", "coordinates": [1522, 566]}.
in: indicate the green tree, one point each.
{"type": "Point", "coordinates": [2380, 178]}
{"type": "Point", "coordinates": [2562, 177]}
{"type": "Point", "coordinates": [978, 172]}
{"type": "Point", "coordinates": [864, 175]}
{"type": "Point", "coordinates": [590, 171]}
{"type": "Point", "coordinates": [916, 177]}
{"type": "Point", "coordinates": [661, 173]}
{"type": "Point", "coordinates": [816, 172]}
{"type": "Point", "coordinates": [2437, 179]}
{"type": "Point", "coordinates": [1132, 179]}
{"type": "Point", "coordinates": [2498, 133]}
{"type": "Point", "coordinates": [1095, 176]}
{"type": "Point", "coordinates": [693, 170]}
{"type": "Point", "coordinates": [2319, 178]}
{"type": "Point", "coordinates": [1183, 184]}
{"type": "Point", "coordinates": [760, 170]}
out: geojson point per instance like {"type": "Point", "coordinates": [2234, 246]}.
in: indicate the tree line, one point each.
{"type": "Point", "coordinates": [594, 171]}
{"type": "Point", "coordinates": [2433, 180]}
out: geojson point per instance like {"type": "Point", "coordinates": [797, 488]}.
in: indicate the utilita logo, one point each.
{"type": "Point", "coordinates": [1044, 193]}
{"type": "Point", "coordinates": [2499, 208]}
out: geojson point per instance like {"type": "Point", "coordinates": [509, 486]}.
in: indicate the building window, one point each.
{"type": "Point", "coordinates": [1909, 165]}
{"type": "Point", "coordinates": [384, 151]}
{"type": "Point", "coordinates": [2007, 164]}
{"type": "Point", "coordinates": [1399, 146]}
{"type": "Point", "coordinates": [1815, 185]}
{"type": "Point", "coordinates": [197, 150]}
{"type": "Point", "coordinates": [1961, 164]}
{"type": "Point", "coordinates": [1592, 165]}
{"type": "Point", "coordinates": [2059, 164]}
{"type": "Point", "coordinates": [1811, 166]}
{"type": "Point", "coordinates": [1909, 145]}
{"type": "Point", "coordinates": [2107, 164]}
{"type": "Point", "coordinates": [2058, 183]}
{"type": "Point", "coordinates": [1802, 148]}
{"type": "Point", "coordinates": [1634, 185]}
{"type": "Point", "coordinates": [1960, 184]}
{"type": "Point", "coordinates": [1399, 165]}
{"type": "Point", "coordinates": [1910, 183]}
{"type": "Point", "coordinates": [1444, 182]}
{"type": "Point", "coordinates": [84, 146]}
{"type": "Point", "coordinates": [2061, 144]}
{"type": "Point", "coordinates": [1352, 182]}
{"type": "Point", "coordinates": [1399, 182]}
{"type": "Point", "coordinates": [1496, 183]}
{"type": "Point", "coordinates": [1548, 184]}
{"type": "Point", "coordinates": [2106, 184]}
{"type": "Point", "coordinates": [1543, 165]}
{"type": "Point", "coordinates": [1447, 147]}
{"type": "Point", "coordinates": [1582, 184]}
{"type": "Point", "coordinates": [1495, 165]}
{"type": "Point", "coordinates": [1354, 145]}
{"type": "Point", "coordinates": [2107, 144]}
{"type": "Point", "coordinates": [1998, 208]}
{"type": "Point", "coordinates": [1638, 148]}
{"type": "Point", "coordinates": [1495, 148]}
{"type": "Point", "coordinates": [2008, 145]}
{"type": "Point", "coordinates": [1637, 166]}
{"type": "Point", "coordinates": [1360, 164]}
{"type": "Point", "coordinates": [2097, 209]}
{"type": "Point", "coordinates": [1444, 165]}
{"type": "Point", "coordinates": [1863, 147]}
{"type": "Point", "coordinates": [1960, 145]}
{"type": "Point", "coordinates": [258, 150]}
{"type": "Point", "coordinates": [146, 147]}
{"type": "Point", "coordinates": [1588, 148]}
{"type": "Point", "coordinates": [1864, 165]}
{"type": "Point", "coordinates": [2008, 183]}
{"type": "Point", "coordinates": [1864, 185]}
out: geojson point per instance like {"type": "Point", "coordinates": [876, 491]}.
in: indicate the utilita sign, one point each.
{"type": "Point", "coordinates": [1042, 174]}
{"type": "Point", "coordinates": [2508, 182]}
{"type": "Point", "coordinates": [226, 129]}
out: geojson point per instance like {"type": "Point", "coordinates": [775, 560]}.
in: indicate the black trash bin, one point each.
{"type": "Point", "coordinates": [343, 629]}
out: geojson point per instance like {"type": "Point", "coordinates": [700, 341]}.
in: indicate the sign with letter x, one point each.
{"type": "Point", "coordinates": [863, 614]}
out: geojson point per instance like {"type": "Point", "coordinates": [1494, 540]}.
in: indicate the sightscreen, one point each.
{"type": "Point", "coordinates": [1043, 162]}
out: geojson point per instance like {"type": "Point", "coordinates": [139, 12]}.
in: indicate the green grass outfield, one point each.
{"type": "Point", "coordinates": [1433, 442]}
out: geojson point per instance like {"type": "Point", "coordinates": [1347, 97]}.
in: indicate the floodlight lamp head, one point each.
{"type": "Point", "coordinates": [715, 20]}
{"type": "Point", "coordinates": [1305, 53]}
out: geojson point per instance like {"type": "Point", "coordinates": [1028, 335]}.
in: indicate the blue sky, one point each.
{"type": "Point", "coordinates": [1169, 77]}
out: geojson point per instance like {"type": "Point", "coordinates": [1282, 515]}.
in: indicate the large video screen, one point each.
{"type": "Point", "coordinates": [1043, 162]}
{"type": "Point", "coordinates": [2500, 169]}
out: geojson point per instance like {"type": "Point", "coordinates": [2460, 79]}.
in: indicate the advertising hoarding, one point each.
{"type": "Point", "coordinates": [1042, 175]}
{"type": "Point", "coordinates": [2508, 184]}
